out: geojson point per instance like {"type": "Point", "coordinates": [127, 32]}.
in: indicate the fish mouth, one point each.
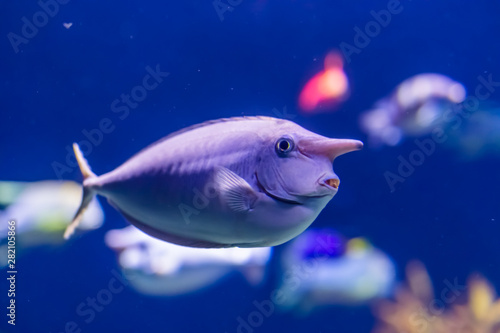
{"type": "Point", "coordinates": [333, 182]}
{"type": "Point", "coordinates": [330, 182]}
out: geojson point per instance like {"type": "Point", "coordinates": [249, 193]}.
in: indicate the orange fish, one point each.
{"type": "Point", "coordinates": [327, 89]}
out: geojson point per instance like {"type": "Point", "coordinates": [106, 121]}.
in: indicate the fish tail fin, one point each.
{"type": "Point", "coordinates": [82, 163]}
{"type": "Point", "coordinates": [88, 192]}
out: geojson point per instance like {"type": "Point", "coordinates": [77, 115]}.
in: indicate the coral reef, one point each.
{"type": "Point", "coordinates": [415, 309]}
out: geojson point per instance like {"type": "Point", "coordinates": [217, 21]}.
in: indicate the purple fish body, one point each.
{"type": "Point", "coordinates": [245, 182]}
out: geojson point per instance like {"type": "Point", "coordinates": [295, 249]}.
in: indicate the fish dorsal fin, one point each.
{"type": "Point", "coordinates": [216, 121]}
{"type": "Point", "coordinates": [234, 190]}
{"type": "Point", "coordinates": [204, 124]}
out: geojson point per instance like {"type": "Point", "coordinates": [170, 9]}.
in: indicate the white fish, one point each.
{"type": "Point", "coordinates": [41, 211]}
{"type": "Point", "coordinates": [246, 182]}
{"type": "Point", "coordinates": [415, 107]}
{"type": "Point", "coordinates": [44, 206]}
{"type": "Point", "coordinates": [159, 268]}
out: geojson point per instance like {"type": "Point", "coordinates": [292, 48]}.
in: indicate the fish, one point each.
{"type": "Point", "coordinates": [233, 182]}
{"type": "Point", "coordinates": [154, 267]}
{"type": "Point", "coordinates": [415, 108]}
{"type": "Point", "coordinates": [321, 268]}
{"type": "Point", "coordinates": [40, 212]}
{"type": "Point", "coordinates": [44, 208]}
{"type": "Point", "coordinates": [328, 89]}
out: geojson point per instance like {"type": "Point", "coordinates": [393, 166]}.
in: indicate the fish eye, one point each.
{"type": "Point", "coordinates": [284, 145]}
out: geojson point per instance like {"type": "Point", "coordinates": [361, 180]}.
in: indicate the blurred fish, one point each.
{"type": "Point", "coordinates": [160, 268]}
{"type": "Point", "coordinates": [246, 182]}
{"type": "Point", "coordinates": [414, 109]}
{"type": "Point", "coordinates": [323, 268]}
{"type": "Point", "coordinates": [477, 136]}
{"type": "Point", "coordinates": [42, 210]}
{"type": "Point", "coordinates": [327, 89]}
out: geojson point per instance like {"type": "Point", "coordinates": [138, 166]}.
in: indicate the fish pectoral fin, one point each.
{"type": "Point", "coordinates": [234, 190]}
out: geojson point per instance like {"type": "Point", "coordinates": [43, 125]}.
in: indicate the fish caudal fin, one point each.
{"type": "Point", "coordinates": [88, 193]}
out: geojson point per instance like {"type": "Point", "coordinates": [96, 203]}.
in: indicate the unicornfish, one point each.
{"type": "Point", "coordinates": [235, 182]}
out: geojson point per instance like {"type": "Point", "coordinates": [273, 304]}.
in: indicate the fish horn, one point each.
{"type": "Point", "coordinates": [88, 193]}
{"type": "Point", "coordinates": [330, 147]}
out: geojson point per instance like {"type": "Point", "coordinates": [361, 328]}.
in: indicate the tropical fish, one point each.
{"type": "Point", "coordinates": [478, 136]}
{"type": "Point", "coordinates": [328, 89]}
{"type": "Point", "coordinates": [322, 268]}
{"type": "Point", "coordinates": [155, 267]}
{"type": "Point", "coordinates": [416, 107]}
{"type": "Point", "coordinates": [245, 182]}
{"type": "Point", "coordinates": [44, 207]}
{"type": "Point", "coordinates": [41, 210]}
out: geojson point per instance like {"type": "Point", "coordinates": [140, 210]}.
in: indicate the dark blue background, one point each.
{"type": "Point", "coordinates": [64, 81]}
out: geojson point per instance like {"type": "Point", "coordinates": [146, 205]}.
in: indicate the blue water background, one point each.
{"type": "Point", "coordinates": [64, 81]}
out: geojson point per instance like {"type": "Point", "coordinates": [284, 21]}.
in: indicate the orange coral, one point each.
{"type": "Point", "coordinates": [415, 310]}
